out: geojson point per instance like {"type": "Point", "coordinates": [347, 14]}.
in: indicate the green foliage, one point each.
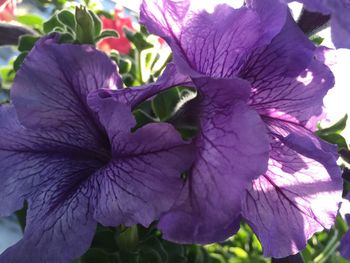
{"type": "Point", "coordinates": [18, 62]}
{"type": "Point", "coordinates": [67, 19]}
{"type": "Point", "coordinates": [33, 21]}
{"type": "Point", "coordinates": [26, 43]}
{"type": "Point", "coordinates": [107, 33]}
{"type": "Point", "coordinates": [138, 39]}
{"type": "Point", "coordinates": [83, 27]}
{"type": "Point", "coordinates": [164, 104]}
{"type": "Point", "coordinates": [337, 128]}
{"type": "Point", "coordinates": [85, 32]}
{"type": "Point", "coordinates": [52, 25]}
{"type": "Point", "coordinates": [316, 39]}
{"type": "Point", "coordinates": [332, 134]}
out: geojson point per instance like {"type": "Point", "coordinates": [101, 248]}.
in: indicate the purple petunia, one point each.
{"type": "Point", "coordinates": [260, 90]}
{"type": "Point", "coordinates": [344, 245]}
{"type": "Point", "coordinates": [339, 11]}
{"type": "Point", "coordinates": [74, 160]}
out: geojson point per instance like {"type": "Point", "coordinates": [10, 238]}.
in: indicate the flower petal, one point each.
{"type": "Point", "coordinates": [298, 195]}
{"type": "Point", "coordinates": [232, 149]}
{"type": "Point", "coordinates": [315, 6]}
{"type": "Point", "coordinates": [340, 30]}
{"type": "Point", "coordinates": [48, 173]}
{"type": "Point", "coordinates": [288, 83]}
{"type": "Point", "coordinates": [143, 179]}
{"type": "Point", "coordinates": [51, 88]}
{"type": "Point", "coordinates": [27, 159]}
{"type": "Point", "coordinates": [59, 225]}
{"type": "Point", "coordinates": [272, 13]}
{"type": "Point", "coordinates": [214, 44]}
{"type": "Point", "coordinates": [135, 95]}
{"type": "Point", "coordinates": [344, 247]}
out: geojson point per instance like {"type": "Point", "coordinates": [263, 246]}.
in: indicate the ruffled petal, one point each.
{"type": "Point", "coordinates": [315, 6]}
{"type": "Point", "coordinates": [135, 95]}
{"type": "Point", "coordinates": [51, 175]}
{"type": "Point", "coordinates": [28, 159]}
{"type": "Point", "coordinates": [143, 179]}
{"type": "Point", "coordinates": [344, 246]}
{"type": "Point", "coordinates": [341, 30]}
{"type": "Point", "coordinates": [51, 88]}
{"type": "Point", "coordinates": [232, 149]}
{"type": "Point", "coordinates": [288, 83]}
{"type": "Point", "coordinates": [59, 225]}
{"type": "Point", "coordinates": [214, 43]}
{"type": "Point", "coordinates": [298, 195]}
{"type": "Point", "coordinates": [273, 14]}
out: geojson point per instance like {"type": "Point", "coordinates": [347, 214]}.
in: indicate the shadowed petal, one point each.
{"type": "Point", "coordinates": [232, 149]}
{"type": "Point", "coordinates": [344, 247]}
{"type": "Point", "coordinates": [143, 179]}
{"type": "Point", "coordinates": [50, 174]}
{"type": "Point", "coordinates": [315, 6]}
{"type": "Point", "coordinates": [340, 19]}
{"type": "Point", "coordinates": [211, 43]}
{"type": "Point", "coordinates": [28, 159]}
{"type": "Point", "coordinates": [59, 225]}
{"type": "Point", "coordinates": [135, 95]}
{"type": "Point", "coordinates": [298, 195]}
{"type": "Point", "coordinates": [51, 88]}
{"type": "Point", "coordinates": [287, 55]}
{"type": "Point", "coordinates": [341, 30]}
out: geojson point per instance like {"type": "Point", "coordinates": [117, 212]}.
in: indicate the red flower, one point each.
{"type": "Point", "coordinates": [120, 44]}
{"type": "Point", "coordinates": [7, 8]}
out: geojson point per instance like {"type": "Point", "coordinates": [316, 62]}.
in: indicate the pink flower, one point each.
{"type": "Point", "coordinates": [7, 8]}
{"type": "Point", "coordinates": [120, 44]}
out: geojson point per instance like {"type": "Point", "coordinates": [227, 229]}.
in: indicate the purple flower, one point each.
{"type": "Point", "coordinates": [344, 246]}
{"type": "Point", "coordinates": [260, 90]}
{"type": "Point", "coordinates": [76, 162]}
{"type": "Point", "coordinates": [340, 19]}
{"type": "Point", "coordinates": [345, 242]}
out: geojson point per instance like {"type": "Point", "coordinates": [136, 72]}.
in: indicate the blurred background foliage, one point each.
{"type": "Point", "coordinates": [141, 58]}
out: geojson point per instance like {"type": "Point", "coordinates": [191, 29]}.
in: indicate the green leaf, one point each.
{"type": "Point", "coordinates": [335, 139]}
{"type": "Point", "coordinates": [7, 74]}
{"type": "Point", "coordinates": [26, 42]}
{"type": "Point", "coordinates": [176, 252]}
{"type": "Point", "coordinates": [128, 239]}
{"type": "Point", "coordinates": [198, 254]}
{"type": "Point", "coordinates": [317, 39]}
{"type": "Point", "coordinates": [107, 33]}
{"type": "Point", "coordinates": [51, 24]}
{"type": "Point", "coordinates": [67, 18]}
{"type": "Point", "coordinates": [124, 65]}
{"type": "Point", "coordinates": [95, 255]}
{"type": "Point", "coordinates": [164, 103]}
{"type": "Point", "coordinates": [345, 154]}
{"type": "Point", "coordinates": [34, 21]}
{"type": "Point", "coordinates": [97, 23]}
{"type": "Point", "coordinates": [105, 239]}
{"type": "Point", "coordinates": [22, 215]}
{"type": "Point", "coordinates": [336, 128]}
{"type": "Point", "coordinates": [66, 38]}
{"type": "Point", "coordinates": [85, 30]}
{"type": "Point", "coordinates": [217, 258]}
{"type": "Point", "coordinates": [142, 118]}
{"type": "Point", "coordinates": [153, 243]}
{"type": "Point", "coordinates": [137, 39]}
{"type": "Point", "coordinates": [18, 62]}
{"type": "Point", "coordinates": [150, 255]}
